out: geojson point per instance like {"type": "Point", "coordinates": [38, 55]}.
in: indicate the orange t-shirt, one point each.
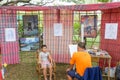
{"type": "Point", "coordinates": [82, 60]}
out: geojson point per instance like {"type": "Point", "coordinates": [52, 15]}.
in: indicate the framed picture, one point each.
{"type": "Point", "coordinates": [90, 25]}
{"type": "Point", "coordinates": [29, 44]}
{"type": "Point", "coordinates": [30, 24]}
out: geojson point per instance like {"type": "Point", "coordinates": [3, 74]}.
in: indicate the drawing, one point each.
{"type": "Point", "coordinates": [10, 34]}
{"type": "Point", "coordinates": [111, 30]}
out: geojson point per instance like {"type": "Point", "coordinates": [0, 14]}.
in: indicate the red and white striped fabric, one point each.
{"type": "Point", "coordinates": [58, 45]}
{"type": "Point", "coordinates": [9, 50]}
{"type": "Point", "coordinates": [110, 45]}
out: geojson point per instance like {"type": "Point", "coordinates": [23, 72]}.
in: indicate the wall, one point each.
{"type": "Point", "coordinates": [58, 45]}
{"type": "Point", "coordinates": [112, 46]}
{"type": "Point", "coordinates": [9, 49]}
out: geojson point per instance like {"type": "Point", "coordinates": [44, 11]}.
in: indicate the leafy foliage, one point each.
{"type": "Point", "coordinates": [20, 29]}
{"type": "Point", "coordinates": [77, 28]}
{"type": "Point", "coordinates": [103, 0]}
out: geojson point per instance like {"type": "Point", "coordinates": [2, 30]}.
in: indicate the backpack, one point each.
{"type": "Point", "coordinates": [118, 72]}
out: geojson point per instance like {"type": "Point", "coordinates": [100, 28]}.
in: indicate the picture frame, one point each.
{"type": "Point", "coordinates": [90, 25]}
{"type": "Point", "coordinates": [30, 25]}
{"type": "Point", "coordinates": [29, 44]}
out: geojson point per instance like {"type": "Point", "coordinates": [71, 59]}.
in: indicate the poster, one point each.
{"type": "Point", "coordinates": [111, 30]}
{"type": "Point", "coordinates": [58, 31]}
{"type": "Point", "coordinates": [89, 23]}
{"type": "Point", "coordinates": [72, 48]}
{"type": "Point", "coordinates": [29, 44]}
{"type": "Point", "coordinates": [10, 34]}
{"type": "Point", "coordinates": [30, 25]}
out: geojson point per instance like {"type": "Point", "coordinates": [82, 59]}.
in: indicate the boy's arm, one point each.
{"type": "Point", "coordinates": [50, 58]}
{"type": "Point", "coordinates": [38, 55]}
{"type": "Point", "coordinates": [39, 59]}
{"type": "Point", "coordinates": [70, 67]}
{"type": "Point", "coordinates": [72, 63]}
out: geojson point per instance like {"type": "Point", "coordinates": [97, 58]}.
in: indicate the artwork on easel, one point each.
{"type": "Point", "coordinates": [89, 23]}
{"type": "Point", "coordinates": [30, 25]}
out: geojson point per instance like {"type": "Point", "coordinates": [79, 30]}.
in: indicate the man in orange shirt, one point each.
{"type": "Point", "coordinates": [81, 60]}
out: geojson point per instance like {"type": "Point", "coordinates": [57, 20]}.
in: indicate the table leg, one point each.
{"type": "Point", "coordinates": [109, 62]}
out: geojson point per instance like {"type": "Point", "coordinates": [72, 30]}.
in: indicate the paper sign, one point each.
{"type": "Point", "coordinates": [72, 48]}
{"type": "Point", "coordinates": [10, 34]}
{"type": "Point", "coordinates": [111, 30]}
{"type": "Point", "coordinates": [58, 29]}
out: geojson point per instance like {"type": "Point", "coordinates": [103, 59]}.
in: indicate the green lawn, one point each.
{"type": "Point", "coordinates": [26, 70]}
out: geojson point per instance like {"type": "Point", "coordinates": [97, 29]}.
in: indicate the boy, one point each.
{"type": "Point", "coordinates": [45, 60]}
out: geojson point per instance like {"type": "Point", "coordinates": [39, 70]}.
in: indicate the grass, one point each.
{"type": "Point", "coordinates": [26, 70]}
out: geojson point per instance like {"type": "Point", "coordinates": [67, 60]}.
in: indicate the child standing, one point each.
{"type": "Point", "coordinates": [46, 61]}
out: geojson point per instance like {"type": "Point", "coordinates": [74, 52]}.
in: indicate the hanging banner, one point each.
{"type": "Point", "coordinates": [111, 30]}
{"type": "Point", "coordinates": [10, 34]}
{"type": "Point", "coordinates": [89, 23]}
{"type": "Point", "coordinates": [58, 31]}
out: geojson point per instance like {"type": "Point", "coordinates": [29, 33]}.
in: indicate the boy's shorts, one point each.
{"type": "Point", "coordinates": [73, 74]}
{"type": "Point", "coordinates": [46, 64]}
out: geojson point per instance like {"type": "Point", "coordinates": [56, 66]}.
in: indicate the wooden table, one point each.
{"type": "Point", "coordinates": [96, 58]}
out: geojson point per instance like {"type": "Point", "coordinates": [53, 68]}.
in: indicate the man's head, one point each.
{"type": "Point", "coordinates": [81, 46]}
{"type": "Point", "coordinates": [44, 48]}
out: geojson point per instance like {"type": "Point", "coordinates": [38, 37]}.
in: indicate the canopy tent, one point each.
{"type": "Point", "coordinates": [89, 7]}
{"type": "Point", "coordinates": [58, 45]}
{"type": "Point", "coordinates": [81, 7]}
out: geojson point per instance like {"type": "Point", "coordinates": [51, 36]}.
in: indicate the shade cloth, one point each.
{"type": "Point", "coordinates": [81, 7]}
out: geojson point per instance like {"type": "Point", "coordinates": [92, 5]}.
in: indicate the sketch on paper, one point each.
{"type": "Point", "coordinates": [111, 30]}
{"type": "Point", "coordinates": [10, 34]}
{"type": "Point", "coordinates": [58, 31]}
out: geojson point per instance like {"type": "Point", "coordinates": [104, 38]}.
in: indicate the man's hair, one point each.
{"type": "Point", "coordinates": [43, 46]}
{"type": "Point", "coordinates": [81, 45]}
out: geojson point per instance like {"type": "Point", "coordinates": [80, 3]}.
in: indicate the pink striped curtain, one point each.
{"type": "Point", "coordinates": [110, 45]}
{"type": "Point", "coordinates": [58, 45]}
{"type": "Point", "coordinates": [9, 50]}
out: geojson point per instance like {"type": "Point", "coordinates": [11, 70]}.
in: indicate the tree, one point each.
{"type": "Point", "coordinates": [44, 2]}
{"type": "Point", "coordinates": [103, 0]}
{"type": "Point", "coordinates": [86, 1]}
{"type": "Point", "coordinates": [24, 2]}
{"type": "Point", "coordinates": [76, 1]}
